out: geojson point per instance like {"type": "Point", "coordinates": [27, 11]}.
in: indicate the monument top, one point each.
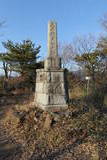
{"type": "Point", "coordinates": [52, 61]}
{"type": "Point", "coordinates": [52, 39]}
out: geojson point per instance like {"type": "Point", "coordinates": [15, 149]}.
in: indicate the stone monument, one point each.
{"type": "Point", "coordinates": [51, 91]}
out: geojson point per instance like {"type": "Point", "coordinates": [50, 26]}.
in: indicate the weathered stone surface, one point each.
{"type": "Point", "coordinates": [52, 39]}
{"type": "Point", "coordinates": [53, 63]}
{"type": "Point", "coordinates": [50, 82]}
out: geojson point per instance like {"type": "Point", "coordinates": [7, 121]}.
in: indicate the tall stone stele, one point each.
{"type": "Point", "coordinates": [51, 90]}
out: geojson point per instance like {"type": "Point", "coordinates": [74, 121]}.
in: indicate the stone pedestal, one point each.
{"type": "Point", "coordinates": [50, 89]}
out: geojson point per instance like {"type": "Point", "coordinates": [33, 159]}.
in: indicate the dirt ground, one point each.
{"type": "Point", "coordinates": [28, 133]}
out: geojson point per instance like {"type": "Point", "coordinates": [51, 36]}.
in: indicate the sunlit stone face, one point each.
{"type": "Point", "coordinates": [52, 39]}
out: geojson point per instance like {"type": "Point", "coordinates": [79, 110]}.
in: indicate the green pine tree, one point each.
{"type": "Point", "coordinates": [21, 57]}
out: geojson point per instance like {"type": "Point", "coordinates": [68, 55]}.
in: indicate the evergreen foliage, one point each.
{"type": "Point", "coordinates": [22, 57]}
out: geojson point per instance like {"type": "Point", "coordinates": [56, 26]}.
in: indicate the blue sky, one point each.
{"type": "Point", "coordinates": [27, 19]}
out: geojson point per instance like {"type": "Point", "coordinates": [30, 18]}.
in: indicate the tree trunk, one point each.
{"type": "Point", "coordinates": [93, 78]}
{"type": "Point", "coordinates": [5, 67]}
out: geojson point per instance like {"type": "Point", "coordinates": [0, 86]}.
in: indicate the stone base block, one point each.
{"type": "Point", "coordinates": [50, 89]}
{"type": "Point", "coordinates": [53, 108]}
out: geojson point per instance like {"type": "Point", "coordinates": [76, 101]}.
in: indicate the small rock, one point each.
{"type": "Point", "coordinates": [35, 119]}
{"type": "Point", "coordinates": [48, 122]}
{"type": "Point", "coordinates": [35, 127]}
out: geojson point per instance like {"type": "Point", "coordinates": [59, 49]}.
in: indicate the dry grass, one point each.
{"type": "Point", "coordinates": [66, 129]}
{"type": "Point", "coordinates": [76, 92]}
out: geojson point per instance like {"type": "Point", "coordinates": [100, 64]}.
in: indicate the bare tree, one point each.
{"type": "Point", "coordinates": [4, 64]}
{"type": "Point", "coordinates": [78, 46]}
{"type": "Point", "coordinates": [104, 21]}
{"type": "Point", "coordinates": [67, 55]}
{"type": "Point", "coordinates": [84, 44]}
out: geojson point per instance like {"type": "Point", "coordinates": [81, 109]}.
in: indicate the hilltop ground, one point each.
{"type": "Point", "coordinates": [79, 133]}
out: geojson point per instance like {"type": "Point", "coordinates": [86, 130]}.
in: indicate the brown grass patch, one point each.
{"type": "Point", "coordinates": [25, 124]}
